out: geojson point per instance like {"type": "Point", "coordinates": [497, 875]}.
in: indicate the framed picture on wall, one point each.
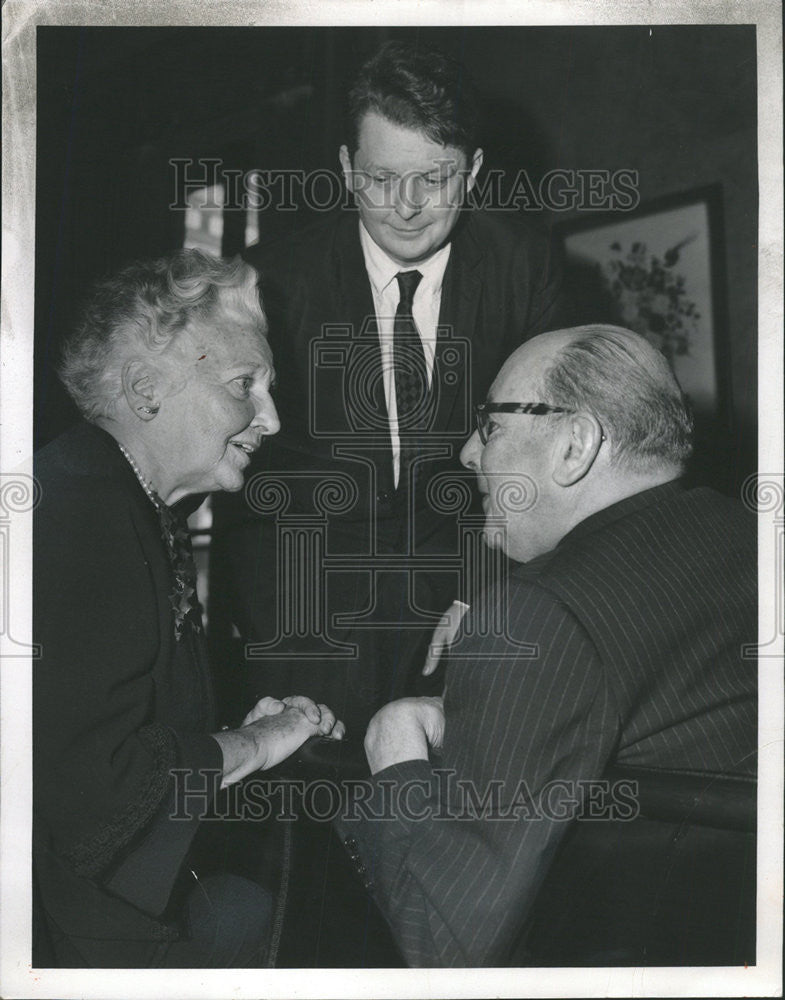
{"type": "Point", "coordinates": [659, 270]}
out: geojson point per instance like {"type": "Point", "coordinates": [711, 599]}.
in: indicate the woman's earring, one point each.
{"type": "Point", "coordinates": [148, 409]}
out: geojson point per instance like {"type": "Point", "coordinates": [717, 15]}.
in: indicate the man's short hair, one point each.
{"type": "Point", "coordinates": [630, 388]}
{"type": "Point", "coordinates": [418, 88]}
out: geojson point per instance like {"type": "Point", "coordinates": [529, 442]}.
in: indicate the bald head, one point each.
{"type": "Point", "coordinates": [614, 424]}
{"type": "Point", "coordinates": [522, 373]}
{"type": "Point", "coordinates": [617, 376]}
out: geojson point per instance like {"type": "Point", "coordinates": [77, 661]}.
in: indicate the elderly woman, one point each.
{"type": "Point", "coordinates": [172, 372]}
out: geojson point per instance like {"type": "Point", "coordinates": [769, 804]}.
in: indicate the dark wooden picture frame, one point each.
{"type": "Point", "coordinates": [660, 270]}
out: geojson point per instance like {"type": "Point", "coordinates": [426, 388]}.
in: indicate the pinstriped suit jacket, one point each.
{"type": "Point", "coordinates": [637, 618]}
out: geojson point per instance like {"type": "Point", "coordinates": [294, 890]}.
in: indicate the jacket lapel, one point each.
{"type": "Point", "coordinates": [366, 407]}
{"type": "Point", "coordinates": [364, 396]}
{"type": "Point", "coordinates": [455, 338]}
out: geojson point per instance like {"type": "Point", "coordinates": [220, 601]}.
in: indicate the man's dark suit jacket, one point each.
{"type": "Point", "coordinates": [636, 623]}
{"type": "Point", "coordinates": [117, 704]}
{"type": "Point", "coordinates": [499, 289]}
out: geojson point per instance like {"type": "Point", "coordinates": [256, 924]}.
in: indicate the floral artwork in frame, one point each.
{"type": "Point", "coordinates": [655, 271]}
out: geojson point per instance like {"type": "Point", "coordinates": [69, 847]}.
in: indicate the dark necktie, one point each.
{"type": "Point", "coordinates": [411, 376]}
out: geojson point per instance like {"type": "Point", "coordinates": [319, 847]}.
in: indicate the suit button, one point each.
{"type": "Point", "coordinates": [367, 884]}
{"type": "Point", "coordinates": [351, 843]}
{"type": "Point", "coordinates": [383, 496]}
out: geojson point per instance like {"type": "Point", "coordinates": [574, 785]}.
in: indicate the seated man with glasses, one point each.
{"type": "Point", "coordinates": [616, 639]}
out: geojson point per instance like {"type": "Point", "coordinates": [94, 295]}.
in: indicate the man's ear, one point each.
{"type": "Point", "coordinates": [141, 388]}
{"type": "Point", "coordinates": [346, 167]}
{"type": "Point", "coordinates": [474, 170]}
{"type": "Point", "coordinates": [579, 444]}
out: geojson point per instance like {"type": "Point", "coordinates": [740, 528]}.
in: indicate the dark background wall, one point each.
{"type": "Point", "coordinates": [115, 105]}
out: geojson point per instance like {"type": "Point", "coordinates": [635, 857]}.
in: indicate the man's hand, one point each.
{"type": "Point", "coordinates": [403, 730]}
{"type": "Point", "coordinates": [444, 635]}
{"type": "Point", "coordinates": [272, 731]}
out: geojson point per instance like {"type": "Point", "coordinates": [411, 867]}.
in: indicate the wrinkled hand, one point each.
{"type": "Point", "coordinates": [320, 715]}
{"type": "Point", "coordinates": [271, 732]}
{"type": "Point", "coordinates": [263, 708]}
{"type": "Point", "coordinates": [279, 733]}
{"type": "Point", "coordinates": [403, 730]}
{"type": "Point", "coordinates": [444, 635]}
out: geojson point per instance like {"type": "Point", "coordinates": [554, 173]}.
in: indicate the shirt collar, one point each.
{"type": "Point", "coordinates": [382, 269]}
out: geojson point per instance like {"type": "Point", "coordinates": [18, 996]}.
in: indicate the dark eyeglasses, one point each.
{"type": "Point", "coordinates": [483, 410]}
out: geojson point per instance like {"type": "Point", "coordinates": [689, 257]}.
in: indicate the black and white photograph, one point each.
{"type": "Point", "coordinates": [391, 500]}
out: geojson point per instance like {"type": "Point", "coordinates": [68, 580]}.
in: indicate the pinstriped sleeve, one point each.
{"type": "Point", "coordinates": [456, 851]}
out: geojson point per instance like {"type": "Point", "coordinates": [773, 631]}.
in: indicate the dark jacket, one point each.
{"type": "Point", "coordinates": [118, 702]}
{"type": "Point", "coordinates": [622, 646]}
{"type": "Point", "coordinates": [500, 288]}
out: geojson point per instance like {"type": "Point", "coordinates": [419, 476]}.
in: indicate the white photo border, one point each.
{"type": "Point", "coordinates": [17, 979]}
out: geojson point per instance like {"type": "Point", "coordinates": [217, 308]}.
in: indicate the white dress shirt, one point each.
{"type": "Point", "coordinates": [425, 310]}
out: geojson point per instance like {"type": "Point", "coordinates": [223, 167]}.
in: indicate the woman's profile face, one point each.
{"type": "Point", "coordinates": [213, 417]}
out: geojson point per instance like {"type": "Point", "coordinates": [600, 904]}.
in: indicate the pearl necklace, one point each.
{"type": "Point", "coordinates": [147, 487]}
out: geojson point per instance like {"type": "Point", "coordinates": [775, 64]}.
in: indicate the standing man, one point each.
{"type": "Point", "coordinates": [386, 325]}
{"type": "Point", "coordinates": [629, 603]}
